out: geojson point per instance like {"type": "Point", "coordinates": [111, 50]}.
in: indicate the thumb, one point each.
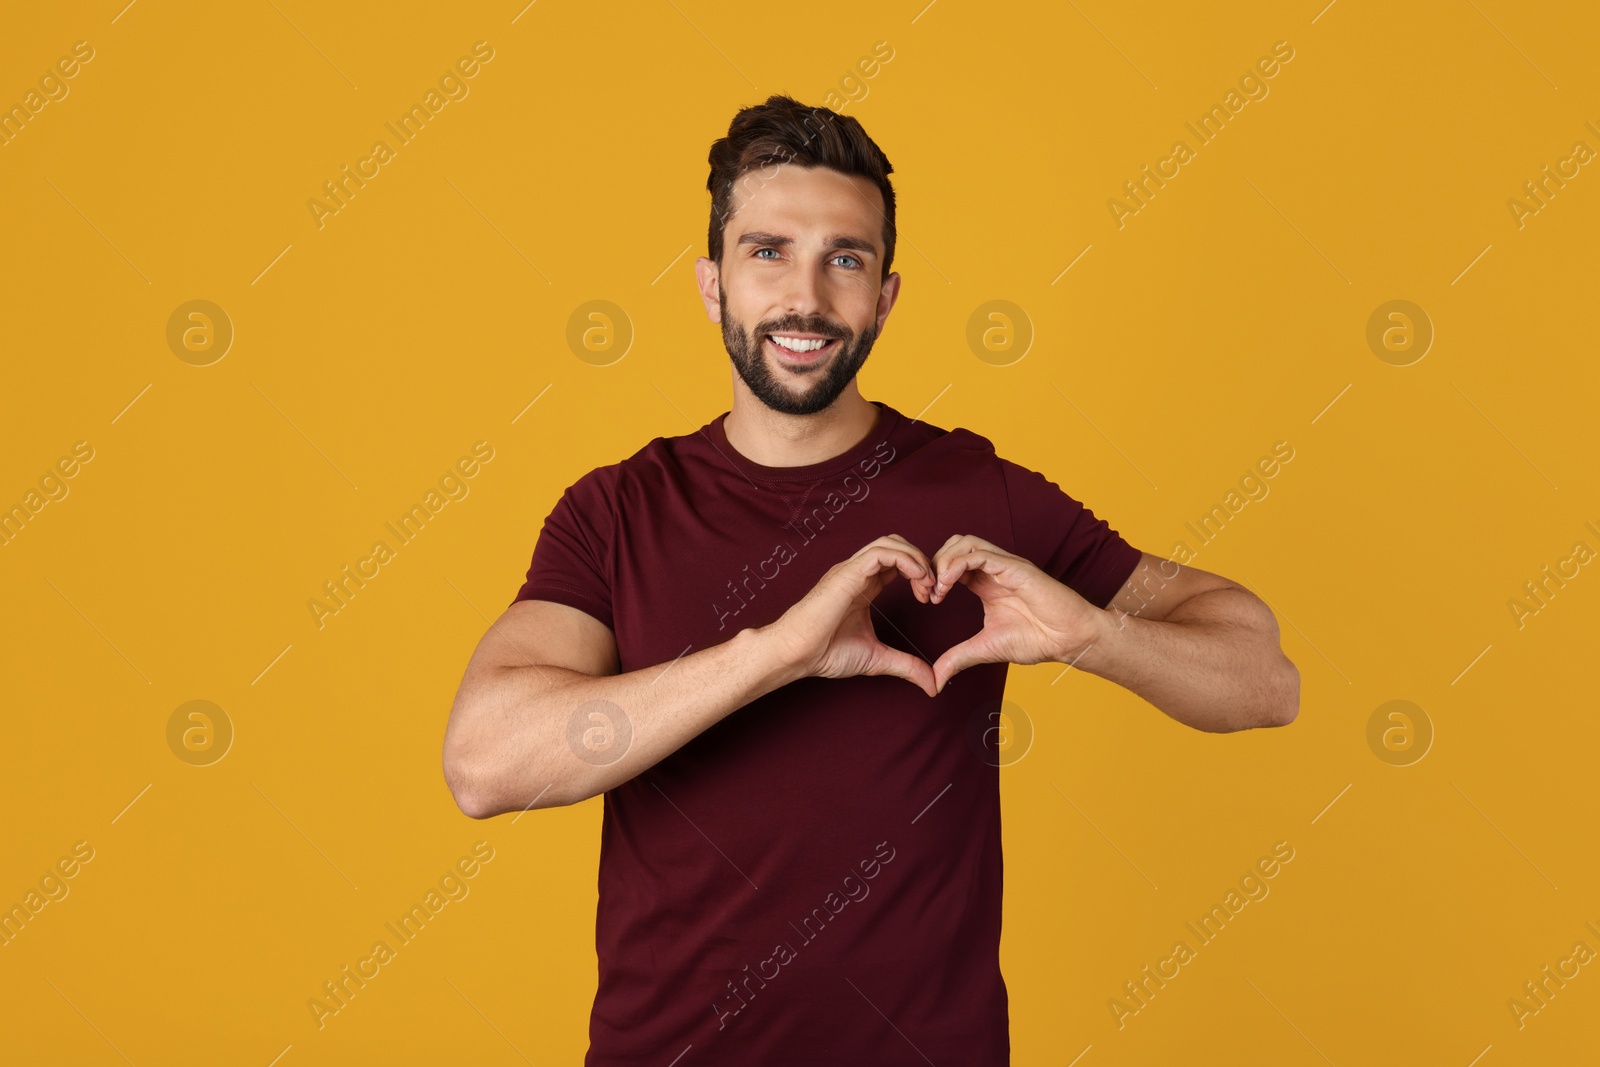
{"type": "Point", "coordinates": [956, 659]}
{"type": "Point", "coordinates": [898, 664]}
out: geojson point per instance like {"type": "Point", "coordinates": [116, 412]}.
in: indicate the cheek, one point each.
{"type": "Point", "coordinates": [856, 302]}
{"type": "Point", "coordinates": [756, 297]}
{"type": "Point", "coordinates": [739, 311]}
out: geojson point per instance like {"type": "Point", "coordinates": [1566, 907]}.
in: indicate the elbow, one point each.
{"type": "Point", "coordinates": [473, 805]}
{"type": "Point", "coordinates": [472, 808]}
{"type": "Point", "coordinates": [486, 778]}
{"type": "Point", "coordinates": [1287, 707]}
{"type": "Point", "coordinates": [480, 795]}
{"type": "Point", "coordinates": [1279, 707]}
{"type": "Point", "coordinates": [465, 788]}
{"type": "Point", "coordinates": [469, 778]}
{"type": "Point", "coordinates": [1283, 703]}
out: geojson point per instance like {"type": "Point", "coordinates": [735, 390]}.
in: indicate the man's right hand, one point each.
{"type": "Point", "coordinates": [829, 632]}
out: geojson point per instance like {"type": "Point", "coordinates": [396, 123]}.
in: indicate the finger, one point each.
{"type": "Point", "coordinates": [961, 542]}
{"type": "Point", "coordinates": [886, 548]}
{"type": "Point", "coordinates": [922, 587]}
{"type": "Point", "coordinates": [954, 549]}
{"type": "Point", "coordinates": [951, 548]}
{"type": "Point", "coordinates": [900, 542]}
{"type": "Point", "coordinates": [963, 568]}
{"type": "Point", "coordinates": [958, 569]}
{"type": "Point", "coordinates": [920, 576]}
{"type": "Point", "coordinates": [875, 566]}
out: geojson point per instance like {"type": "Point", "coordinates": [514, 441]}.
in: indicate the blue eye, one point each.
{"type": "Point", "coordinates": [853, 264]}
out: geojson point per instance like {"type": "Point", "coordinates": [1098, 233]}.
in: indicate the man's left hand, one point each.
{"type": "Point", "coordinates": [1028, 616]}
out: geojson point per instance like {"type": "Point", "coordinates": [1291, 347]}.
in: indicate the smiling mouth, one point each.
{"type": "Point", "coordinates": [802, 358]}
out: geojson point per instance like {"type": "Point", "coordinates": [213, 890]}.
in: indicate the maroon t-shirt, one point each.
{"type": "Point", "coordinates": [816, 878]}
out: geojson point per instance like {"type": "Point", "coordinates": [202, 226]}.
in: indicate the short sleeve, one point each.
{"type": "Point", "coordinates": [569, 563]}
{"type": "Point", "coordinates": [1064, 539]}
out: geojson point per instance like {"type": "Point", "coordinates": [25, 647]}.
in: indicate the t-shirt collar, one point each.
{"type": "Point", "coordinates": [888, 419]}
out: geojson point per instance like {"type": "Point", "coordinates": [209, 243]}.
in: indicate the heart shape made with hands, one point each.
{"type": "Point", "coordinates": [1028, 616]}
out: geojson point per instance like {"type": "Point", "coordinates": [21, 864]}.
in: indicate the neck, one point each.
{"type": "Point", "coordinates": [775, 439]}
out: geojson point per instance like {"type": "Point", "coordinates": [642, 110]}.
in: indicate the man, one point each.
{"type": "Point", "coordinates": [800, 858]}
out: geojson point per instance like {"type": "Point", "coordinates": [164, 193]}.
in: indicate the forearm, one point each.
{"type": "Point", "coordinates": [1213, 663]}
{"type": "Point", "coordinates": [523, 743]}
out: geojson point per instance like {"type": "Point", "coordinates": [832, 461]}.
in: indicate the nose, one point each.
{"type": "Point", "coordinates": [804, 293]}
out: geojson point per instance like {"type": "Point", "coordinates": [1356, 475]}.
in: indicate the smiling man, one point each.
{"type": "Point", "coordinates": [778, 645]}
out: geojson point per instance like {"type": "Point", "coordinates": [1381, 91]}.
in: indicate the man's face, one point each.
{"type": "Point", "coordinates": [802, 260]}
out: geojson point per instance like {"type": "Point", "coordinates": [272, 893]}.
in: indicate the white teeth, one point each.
{"type": "Point", "coordinates": [795, 344]}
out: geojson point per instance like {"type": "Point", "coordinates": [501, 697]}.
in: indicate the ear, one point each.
{"type": "Point", "coordinates": [708, 279]}
{"type": "Point", "coordinates": [887, 295]}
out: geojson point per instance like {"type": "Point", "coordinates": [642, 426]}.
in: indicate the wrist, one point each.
{"type": "Point", "coordinates": [1106, 626]}
{"type": "Point", "coordinates": [762, 649]}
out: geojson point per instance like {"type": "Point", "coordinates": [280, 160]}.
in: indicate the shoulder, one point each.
{"type": "Point", "coordinates": [639, 481]}
{"type": "Point", "coordinates": [922, 436]}
{"type": "Point", "coordinates": [962, 439]}
{"type": "Point", "coordinates": [653, 456]}
{"type": "Point", "coordinates": [590, 503]}
{"type": "Point", "coordinates": [599, 483]}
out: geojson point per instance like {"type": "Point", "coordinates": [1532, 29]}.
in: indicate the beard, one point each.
{"type": "Point", "coordinates": [747, 350]}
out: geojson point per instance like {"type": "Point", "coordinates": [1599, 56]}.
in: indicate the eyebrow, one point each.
{"type": "Point", "coordinates": [838, 240]}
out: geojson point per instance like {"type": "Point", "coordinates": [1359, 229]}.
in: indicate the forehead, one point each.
{"type": "Point", "coordinates": [796, 200]}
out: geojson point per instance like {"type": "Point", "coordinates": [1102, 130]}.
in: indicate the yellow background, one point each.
{"type": "Point", "coordinates": [369, 354]}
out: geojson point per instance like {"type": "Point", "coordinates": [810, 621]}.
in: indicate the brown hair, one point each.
{"type": "Point", "coordinates": [783, 130]}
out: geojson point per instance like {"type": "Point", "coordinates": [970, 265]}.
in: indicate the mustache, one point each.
{"type": "Point", "coordinates": [821, 329]}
